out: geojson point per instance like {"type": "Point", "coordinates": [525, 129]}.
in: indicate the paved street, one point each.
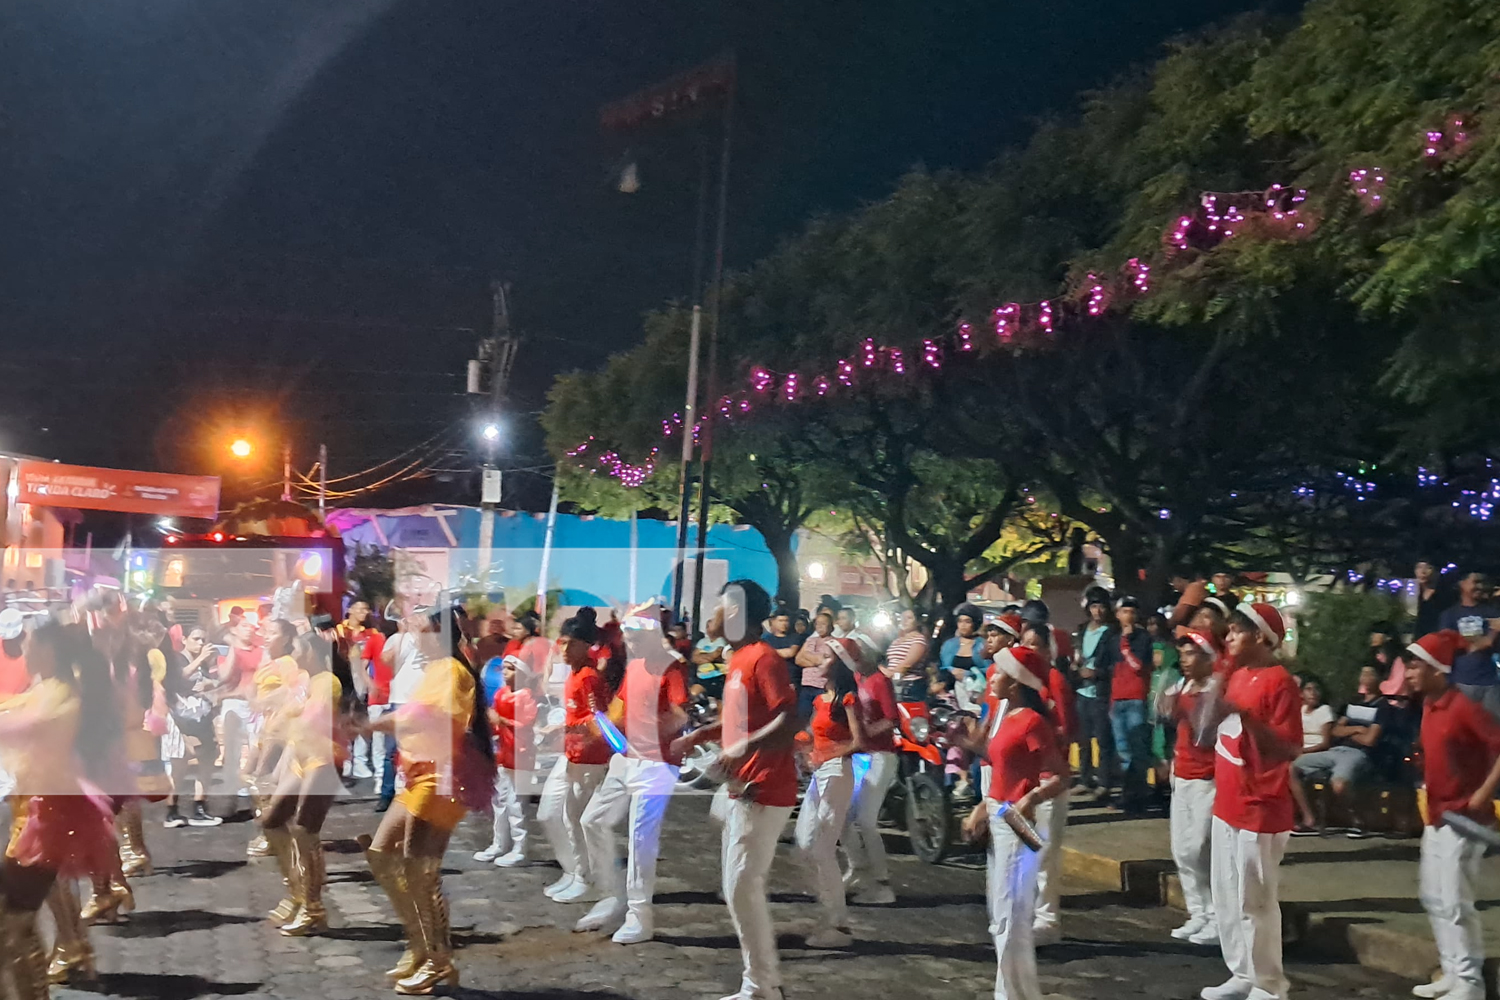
{"type": "Point", "coordinates": [200, 932]}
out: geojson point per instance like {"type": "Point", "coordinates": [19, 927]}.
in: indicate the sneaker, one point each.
{"type": "Point", "coordinates": [878, 894]}
{"type": "Point", "coordinates": [578, 892]}
{"type": "Point", "coordinates": [1187, 930]}
{"type": "Point", "coordinates": [201, 817]}
{"type": "Point", "coordinates": [633, 931]}
{"type": "Point", "coordinates": [851, 879]}
{"type": "Point", "coordinates": [514, 859]}
{"type": "Point", "coordinates": [556, 887]}
{"type": "Point", "coordinates": [1356, 833]}
{"type": "Point", "coordinates": [1303, 830]}
{"type": "Point", "coordinates": [173, 820]}
{"type": "Point", "coordinates": [830, 937]}
{"type": "Point", "coordinates": [604, 913]}
{"type": "Point", "coordinates": [383, 804]}
{"type": "Point", "coordinates": [1234, 989]}
{"type": "Point", "coordinates": [1209, 935]}
{"type": "Point", "coordinates": [362, 771]}
{"type": "Point", "coordinates": [1465, 990]}
{"type": "Point", "coordinates": [1430, 991]}
{"type": "Point", "coordinates": [489, 853]}
{"type": "Point", "coordinates": [774, 993]}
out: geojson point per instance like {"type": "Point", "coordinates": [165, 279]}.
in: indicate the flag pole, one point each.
{"type": "Point", "coordinates": [690, 409]}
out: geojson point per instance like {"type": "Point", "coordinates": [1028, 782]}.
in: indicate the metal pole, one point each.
{"type": "Point", "coordinates": [541, 585]}
{"type": "Point", "coordinates": [690, 411]}
{"type": "Point", "coordinates": [635, 551]}
{"type": "Point", "coordinates": [286, 472]}
{"type": "Point", "coordinates": [712, 394]}
{"type": "Point", "coordinates": [322, 477]}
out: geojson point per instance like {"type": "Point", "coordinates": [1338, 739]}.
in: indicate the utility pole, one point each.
{"type": "Point", "coordinates": [322, 478]}
{"type": "Point", "coordinates": [497, 352]}
{"type": "Point", "coordinates": [286, 472]}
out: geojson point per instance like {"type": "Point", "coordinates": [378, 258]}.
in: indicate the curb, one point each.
{"type": "Point", "coordinates": [1154, 882]}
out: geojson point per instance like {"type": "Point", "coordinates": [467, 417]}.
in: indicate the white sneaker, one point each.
{"type": "Point", "coordinates": [578, 892]}
{"type": "Point", "coordinates": [1465, 990]}
{"type": "Point", "coordinates": [1234, 989]}
{"type": "Point", "coordinates": [1429, 991]}
{"type": "Point", "coordinates": [604, 913]}
{"type": "Point", "coordinates": [878, 894]}
{"type": "Point", "coordinates": [1042, 937]}
{"type": "Point", "coordinates": [633, 931]}
{"type": "Point", "coordinates": [1187, 930]}
{"type": "Point", "coordinates": [851, 879]}
{"type": "Point", "coordinates": [556, 887]}
{"type": "Point", "coordinates": [1209, 935]}
{"type": "Point", "coordinates": [774, 993]}
{"type": "Point", "coordinates": [489, 853]}
{"type": "Point", "coordinates": [514, 859]}
{"type": "Point", "coordinates": [362, 771]}
{"type": "Point", "coordinates": [830, 937]}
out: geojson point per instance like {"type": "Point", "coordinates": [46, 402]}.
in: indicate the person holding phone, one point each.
{"type": "Point", "coordinates": [1475, 619]}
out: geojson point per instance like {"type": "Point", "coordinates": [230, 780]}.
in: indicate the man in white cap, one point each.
{"type": "Point", "coordinates": [1258, 734]}
{"type": "Point", "coordinates": [1461, 769]}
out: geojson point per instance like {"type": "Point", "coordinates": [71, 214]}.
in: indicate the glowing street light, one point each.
{"type": "Point", "coordinates": [241, 448]}
{"type": "Point", "coordinates": [491, 432]}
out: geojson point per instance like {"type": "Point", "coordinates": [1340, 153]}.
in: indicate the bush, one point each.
{"type": "Point", "coordinates": [1333, 636]}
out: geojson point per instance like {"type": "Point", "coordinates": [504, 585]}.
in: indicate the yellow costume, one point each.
{"type": "Point", "coordinates": [431, 731]}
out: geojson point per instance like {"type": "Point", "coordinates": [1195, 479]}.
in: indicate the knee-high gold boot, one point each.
{"type": "Point", "coordinates": [307, 857]}
{"type": "Point", "coordinates": [259, 846]}
{"type": "Point", "coordinates": [388, 867]}
{"type": "Point", "coordinates": [72, 958]}
{"type": "Point", "coordinates": [425, 876]}
{"type": "Point", "coordinates": [280, 841]}
{"type": "Point", "coordinates": [135, 858]}
{"type": "Point", "coordinates": [22, 958]}
{"type": "Point", "coordinates": [111, 899]}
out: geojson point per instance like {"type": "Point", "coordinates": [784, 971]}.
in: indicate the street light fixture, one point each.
{"type": "Point", "coordinates": [241, 448]}
{"type": "Point", "coordinates": [491, 432]}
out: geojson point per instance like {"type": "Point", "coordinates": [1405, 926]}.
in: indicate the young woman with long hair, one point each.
{"type": "Point", "coordinates": [53, 736]}
{"type": "Point", "coordinates": [448, 762]}
{"type": "Point", "coordinates": [836, 736]}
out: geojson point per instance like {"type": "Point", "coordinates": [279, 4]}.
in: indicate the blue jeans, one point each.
{"type": "Point", "coordinates": [1127, 719]}
{"type": "Point", "coordinates": [388, 772]}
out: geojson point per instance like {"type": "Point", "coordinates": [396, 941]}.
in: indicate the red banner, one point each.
{"type": "Point", "coordinates": [681, 95]}
{"type": "Point", "coordinates": [85, 488]}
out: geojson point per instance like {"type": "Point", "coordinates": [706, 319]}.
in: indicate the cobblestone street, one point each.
{"type": "Point", "coordinates": [200, 932]}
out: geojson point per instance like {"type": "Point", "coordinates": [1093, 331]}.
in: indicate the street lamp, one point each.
{"type": "Point", "coordinates": [241, 448]}
{"type": "Point", "coordinates": [491, 432]}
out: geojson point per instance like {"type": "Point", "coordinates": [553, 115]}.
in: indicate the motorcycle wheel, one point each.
{"type": "Point", "coordinates": [929, 819]}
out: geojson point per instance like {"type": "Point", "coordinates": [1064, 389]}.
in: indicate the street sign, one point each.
{"type": "Point", "coordinates": [681, 95]}
{"type": "Point", "coordinates": [82, 487]}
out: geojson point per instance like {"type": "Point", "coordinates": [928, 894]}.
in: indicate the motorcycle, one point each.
{"type": "Point", "coordinates": [920, 798]}
{"type": "Point", "coordinates": [700, 768]}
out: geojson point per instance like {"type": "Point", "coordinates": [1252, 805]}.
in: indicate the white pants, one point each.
{"type": "Point", "coordinates": [1051, 820]}
{"type": "Point", "coordinates": [1192, 837]}
{"type": "Point", "coordinates": [560, 811]}
{"type": "Point", "coordinates": [510, 818]}
{"type": "Point", "coordinates": [749, 846]}
{"type": "Point", "coordinates": [642, 790]}
{"type": "Point", "coordinates": [1010, 881]}
{"type": "Point", "coordinates": [819, 823]}
{"type": "Point", "coordinates": [1449, 873]}
{"type": "Point", "coordinates": [862, 831]}
{"type": "Point", "coordinates": [236, 732]}
{"type": "Point", "coordinates": [1247, 905]}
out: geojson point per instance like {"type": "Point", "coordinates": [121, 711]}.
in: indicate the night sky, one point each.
{"type": "Point", "coordinates": [285, 214]}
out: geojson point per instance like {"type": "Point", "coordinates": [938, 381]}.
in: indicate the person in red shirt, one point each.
{"type": "Point", "coordinates": [1461, 767]}
{"type": "Point", "coordinates": [651, 710]}
{"type": "Point", "coordinates": [581, 767]}
{"type": "Point", "coordinates": [511, 714]}
{"type": "Point", "coordinates": [836, 736]}
{"type": "Point", "coordinates": [1258, 732]}
{"type": "Point", "coordinates": [1028, 770]}
{"type": "Point", "coordinates": [1192, 810]}
{"type": "Point", "coordinates": [757, 727]}
{"type": "Point", "coordinates": [876, 697]}
{"type": "Point", "coordinates": [1051, 816]}
{"type": "Point", "coordinates": [1130, 681]}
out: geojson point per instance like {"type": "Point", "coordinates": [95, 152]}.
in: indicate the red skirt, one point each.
{"type": "Point", "coordinates": [74, 835]}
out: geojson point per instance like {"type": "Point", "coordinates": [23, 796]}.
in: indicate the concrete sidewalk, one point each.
{"type": "Point", "coordinates": [1349, 899]}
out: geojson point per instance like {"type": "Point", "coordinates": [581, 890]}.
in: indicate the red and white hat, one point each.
{"type": "Point", "coordinates": [1438, 649]}
{"type": "Point", "coordinates": [1267, 619]}
{"type": "Point", "coordinates": [1023, 664]}
{"type": "Point", "coordinates": [1203, 639]}
{"type": "Point", "coordinates": [1010, 624]}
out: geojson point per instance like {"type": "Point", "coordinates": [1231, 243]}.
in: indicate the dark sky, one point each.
{"type": "Point", "coordinates": [286, 213]}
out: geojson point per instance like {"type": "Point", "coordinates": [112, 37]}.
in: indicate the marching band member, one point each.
{"type": "Point", "coordinates": [1052, 815]}
{"type": "Point", "coordinates": [1193, 785]}
{"type": "Point", "coordinates": [876, 700]}
{"type": "Point", "coordinates": [512, 712]}
{"type": "Point", "coordinates": [278, 688]}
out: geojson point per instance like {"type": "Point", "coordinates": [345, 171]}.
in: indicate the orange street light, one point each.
{"type": "Point", "coordinates": [241, 448]}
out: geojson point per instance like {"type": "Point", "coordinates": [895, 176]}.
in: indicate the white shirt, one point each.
{"type": "Point", "coordinates": [409, 661]}
{"type": "Point", "coordinates": [1313, 723]}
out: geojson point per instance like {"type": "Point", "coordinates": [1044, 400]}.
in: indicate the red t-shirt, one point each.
{"type": "Point", "coordinates": [1190, 761]}
{"type": "Point", "coordinates": [649, 700]}
{"type": "Point", "coordinates": [1022, 750]}
{"type": "Point", "coordinates": [1060, 694]}
{"type": "Point", "coordinates": [242, 666]}
{"type": "Point", "coordinates": [830, 736]}
{"type": "Point", "coordinates": [13, 676]}
{"type": "Point", "coordinates": [757, 688]}
{"type": "Point", "coordinates": [583, 695]}
{"type": "Point", "coordinates": [1460, 741]}
{"type": "Point", "coordinates": [1131, 677]}
{"type": "Point", "coordinates": [520, 708]}
{"type": "Point", "coordinates": [1062, 643]}
{"type": "Point", "coordinates": [877, 703]}
{"type": "Point", "coordinates": [1251, 793]}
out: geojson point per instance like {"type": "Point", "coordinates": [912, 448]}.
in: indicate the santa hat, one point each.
{"type": "Point", "coordinates": [1203, 639]}
{"type": "Point", "coordinates": [1438, 649]}
{"type": "Point", "coordinates": [1023, 664]}
{"type": "Point", "coordinates": [1267, 619]}
{"type": "Point", "coordinates": [849, 651]}
{"type": "Point", "coordinates": [1219, 604]}
{"type": "Point", "coordinates": [1010, 624]}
